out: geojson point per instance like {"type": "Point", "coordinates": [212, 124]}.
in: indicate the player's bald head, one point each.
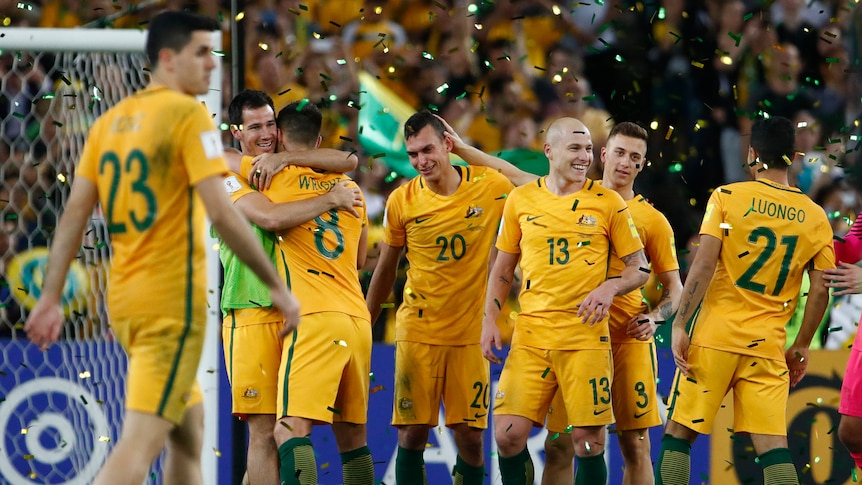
{"type": "Point", "coordinates": [563, 127]}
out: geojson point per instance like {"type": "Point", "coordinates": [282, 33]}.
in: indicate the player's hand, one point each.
{"type": "Point", "coordinates": [641, 327]}
{"type": "Point", "coordinates": [797, 363]}
{"type": "Point", "coordinates": [44, 324]}
{"type": "Point", "coordinates": [491, 340]}
{"type": "Point", "coordinates": [289, 306]}
{"type": "Point", "coordinates": [846, 279]}
{"type": "Point", "coordinates": [680, 343]}
{"type": "Point", "coordinates": [263, 169]}
{"type": "Point", "coordinates": [450, 133]}
{"type": "Point", "coordinates": [346, 198]}
{"type": "Point", "coordinates": [595, 306]}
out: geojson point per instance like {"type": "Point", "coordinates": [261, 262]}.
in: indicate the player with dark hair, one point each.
{"type": "Point", "coordinates": [250, 322]}
{"type": "Point", "coordinates": [323, 376]}
{"type": "Point", "coordinates": [756, 239]}
{"type": "Point", "coordinates": [446, 219]}
{"type": "Point", "coordinates": [150, 161]}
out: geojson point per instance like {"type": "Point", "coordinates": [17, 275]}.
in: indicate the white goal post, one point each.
{"type": "Point", "coordinates": [20, 47]}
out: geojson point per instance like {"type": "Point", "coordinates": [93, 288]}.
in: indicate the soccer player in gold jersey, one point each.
{"type": "Point", "coordinates": [560, 228]}
{"type": "Point", "coordinates": [250, 322]}
{"type": "Point", "coordinates": [446, 219]}
{"type": "Point", "coordinates": [631, 324]}
{"type": "Point", "coordinates": [756, 239]}
{"type": "Point", "coordinates": [324, 371]}
{"type": "Point", "coordinates": [150, 161]}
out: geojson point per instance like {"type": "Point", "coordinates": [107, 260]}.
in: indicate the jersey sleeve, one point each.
{"type": "Point", "coordinates": [236, 186]}
{"type": "Point", "coordinates": [394, 233]}
{"type": "Point", "coordinates": [622, 231]}
{"type": "Point", "coordinates": [660, 244]}
{"type": "Point", "coordinates": [825, 258]}
{"type": "Point", "coordinates": [713, 218]}
{"type": "Point", "coordinates": [200, 146]}
{"type": "Point", "coordinates": [88, 166]}
{"type": "Point", "coordinates": [509, 237]}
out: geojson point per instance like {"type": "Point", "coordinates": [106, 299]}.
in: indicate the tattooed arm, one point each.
{"type": "Point", "coordinates": [595, 306]}
{"type": "Point", "coordinates": [642, 326]}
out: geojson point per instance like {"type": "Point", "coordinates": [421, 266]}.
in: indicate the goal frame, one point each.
{"type": "Point", "coordinates": [133, 41]}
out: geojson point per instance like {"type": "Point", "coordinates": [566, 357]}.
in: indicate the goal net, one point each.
{"type": "Point", "coordinates": [60, 411]}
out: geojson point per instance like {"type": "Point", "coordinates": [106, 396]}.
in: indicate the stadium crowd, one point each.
{"type": "Point", "coordinates": [720, 91]}
{"type": "Point", "coordinates": [694, 73]}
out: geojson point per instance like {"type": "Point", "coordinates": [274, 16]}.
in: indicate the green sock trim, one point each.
{"type": "Point", "coordinates": [410, 467]}
{"type": "Point", "coordinates": [349, 455]}
{"type": "Point", "coordinates": [467, 474]}
{"type": "Point", "coordinates": [298, 465]}
{"type": "Point", "coordinates": [518, 469]}
{"type": "Point", "coordinates": [774, 457]}
{"type": "Point", "coordinates": [778, 468]}
{"type": "Point", "coordinates": [669, 442]}
{"type": "Point", "coordinates": [357, 467]}
{"type": "Point", "coordinates": [591, 469]}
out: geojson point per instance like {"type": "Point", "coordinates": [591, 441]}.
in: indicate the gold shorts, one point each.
{"type": "Point", "coordinates": [426, 373]}
{"type": "Point", "coordinates": [695, 400]}
{"type": "Point", "coordinates": [252, 354]}
{"type": "Point", "coordinates": [531, 377]}
{"type": "Point", "coordinates": [164, 355]}
{"type": "Point", "coordinates": [325, 366]}
{"type": "Point", "coordinates": [633, 392]}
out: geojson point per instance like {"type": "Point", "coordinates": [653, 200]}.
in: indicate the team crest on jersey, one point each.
{"type": "Point", "coordinates": [587, 221]}
{"type": "Point", "coordinates": [405, 403]}
{"type": "Point", "coordinates": [250, 393]}
{"type": "Point", "coordinates": [473, 211]}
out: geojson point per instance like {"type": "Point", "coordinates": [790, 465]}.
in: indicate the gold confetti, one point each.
{"type": "Point", "coordinates": [104, 439]}
{"type": "Point", "coordinates": [84, 375]}
{"type": "Point", "coordinates": [217, 452]}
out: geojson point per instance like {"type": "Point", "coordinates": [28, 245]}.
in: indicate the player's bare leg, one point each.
{"type": "Point", "coordinates": [511, 433]}
{"type": "Point", "coordinates": [357, 467]}
{"type": "Point", "coordinates": [775, 459]}
{"type": "Point", "coordinates": [635, 448]}
{"type": "Point", "coordinates": [183, 457]}
{"type": "Point", "coordinates": [298, 465]}
{"type": "Point", "coordinates": [262, 461]}
{"type": "Point", "coordinates": [143, 438]}
{"type": "Point", "coordinates": [850, 433]}
{"type": "Point", "coordinates": [410, 461]}
{"type": "Point", "coordinates": [470, 465]}
{"type": "Point", "coordinates": [559, 460]}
